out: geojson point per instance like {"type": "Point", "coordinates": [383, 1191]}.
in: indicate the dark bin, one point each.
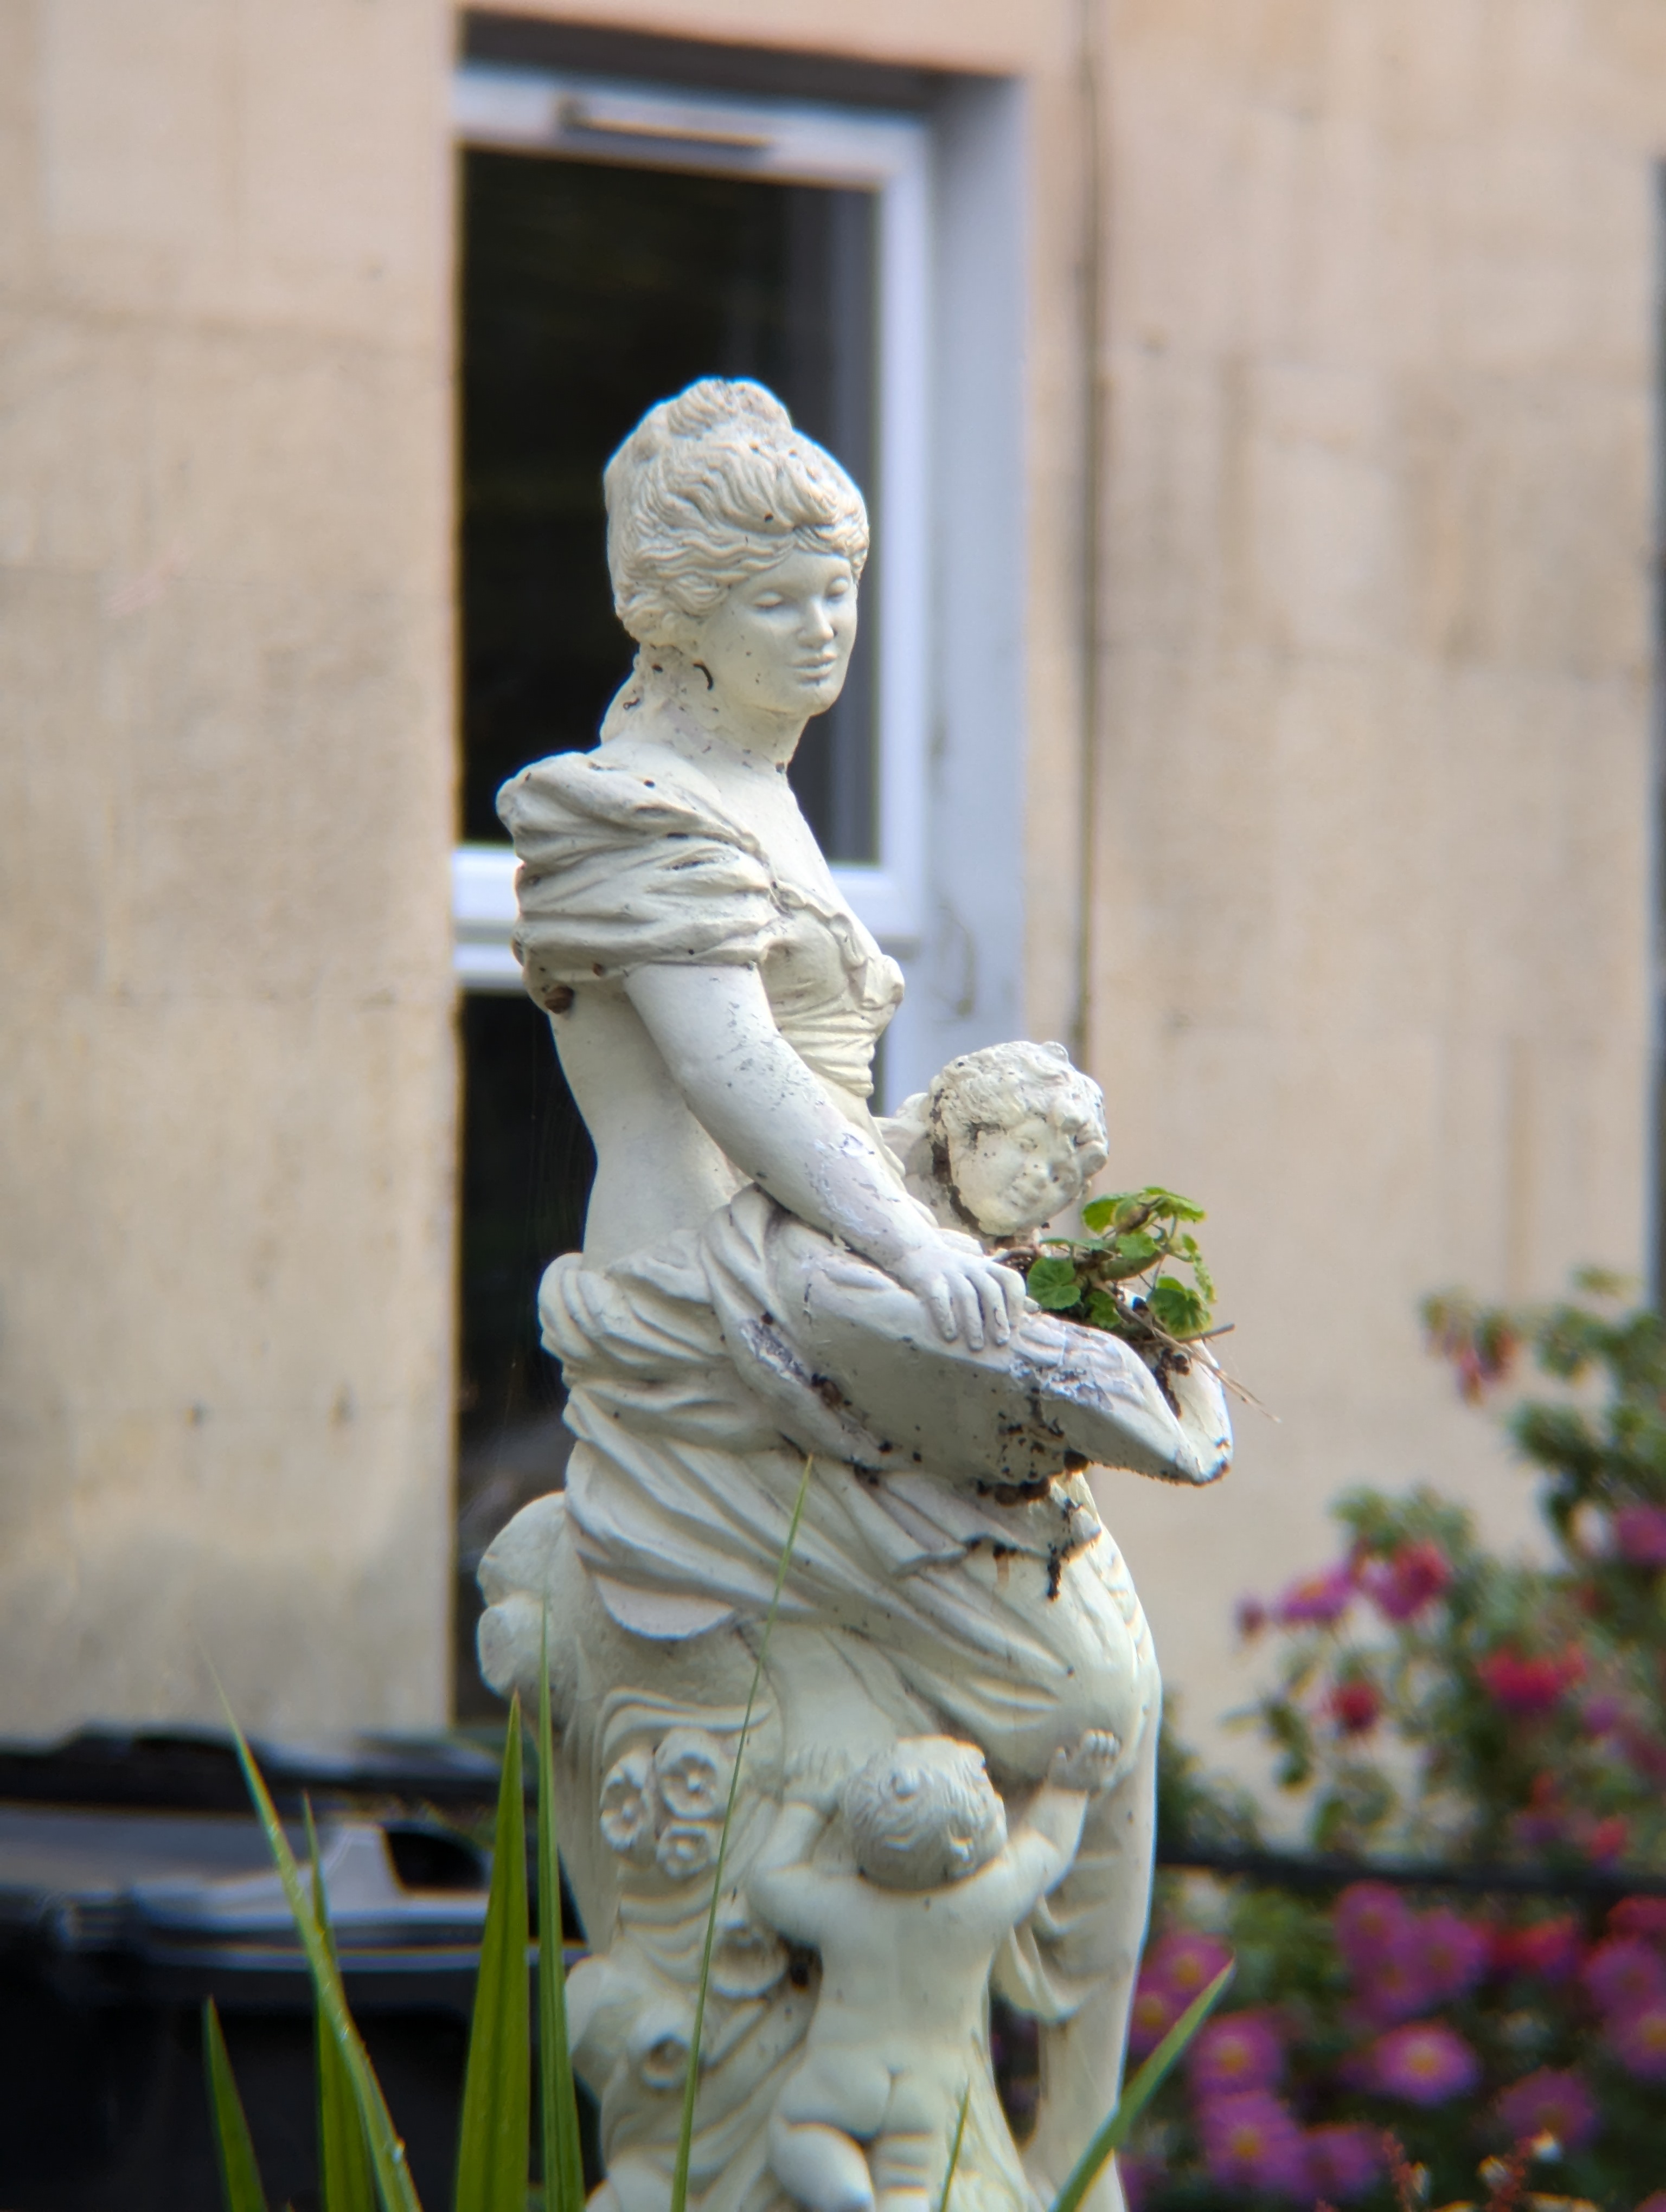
{"type": "Point", "coordinates": [135, 1883]}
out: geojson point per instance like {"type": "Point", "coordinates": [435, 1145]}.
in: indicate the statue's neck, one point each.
{"type": "Point", "coordinates": [673, 694]}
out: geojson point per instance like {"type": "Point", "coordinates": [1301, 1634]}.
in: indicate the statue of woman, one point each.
{"type": "Point", "coordinates": [759, 1292]}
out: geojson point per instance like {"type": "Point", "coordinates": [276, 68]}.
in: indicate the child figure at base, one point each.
{"type": "Point", "coordinates": [866, 2122]}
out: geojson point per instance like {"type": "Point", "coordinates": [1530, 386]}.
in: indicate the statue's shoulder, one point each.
{"type": "Point", "coordinates": [628, 789]}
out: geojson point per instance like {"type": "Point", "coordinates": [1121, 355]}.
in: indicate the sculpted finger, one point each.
{"type": "Point", "coordinates": [971, 1311]}
{"type": "Point", "coordinates": [997, 1319]}
{"type": "Point", "coordinates": [942, 1306]}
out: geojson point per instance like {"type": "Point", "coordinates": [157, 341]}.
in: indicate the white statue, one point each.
{"type": "Point", "coordinates": [769, 1275]}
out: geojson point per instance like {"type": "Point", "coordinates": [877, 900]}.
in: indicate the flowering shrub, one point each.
{"type": "Point", "coordinates": [1435, 1702]}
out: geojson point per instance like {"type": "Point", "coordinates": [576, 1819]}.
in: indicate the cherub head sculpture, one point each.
{"type": "Point", "coordinates": [923, 1813]}
{"type": "Point", "coordinates": [1016, 1134]}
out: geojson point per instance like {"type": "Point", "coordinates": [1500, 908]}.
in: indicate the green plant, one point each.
{"type": "Point", "coordinates": [1118, 1277]}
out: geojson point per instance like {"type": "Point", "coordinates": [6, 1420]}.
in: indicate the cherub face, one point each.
{"type": "Point", "coordinates": [1020, 1177]}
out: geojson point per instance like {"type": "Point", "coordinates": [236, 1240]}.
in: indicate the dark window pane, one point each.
{"type": "Point", "coordinates": [589, 292]}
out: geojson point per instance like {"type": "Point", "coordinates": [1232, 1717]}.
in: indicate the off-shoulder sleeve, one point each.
{"type": "Point", "coordinates": [621, 870]}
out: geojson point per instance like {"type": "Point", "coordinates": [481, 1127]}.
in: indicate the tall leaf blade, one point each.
{"type": "Point", "coordinates": [239, 2176]}
{"type": "Point", "coordinates": [679, 2184]}
{"type": "Point", "coordinates": [563, 2164]}
{"type": "Point", "coordinates": [1140, 2092]}
{"type": "Point", "coordinates": [387, 2154]}
{"type": "Point", "coordinates": [495, 2140]}
{"type": "Point", "coordinates": [346, 2181]}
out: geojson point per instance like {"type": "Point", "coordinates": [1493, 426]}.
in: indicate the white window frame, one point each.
{"type": "Point", "coordinates": [619, 120]}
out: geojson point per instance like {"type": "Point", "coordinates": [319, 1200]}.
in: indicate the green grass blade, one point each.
{"type": "Point", "coordinates": [494, 2139]}
{"type": "Point", "coordinates": [1140, 2092]}
{"type": "Point", "coordinates": [564, 2165]}
{"type": "Point", "coordinates": [387, 2154]}
{"type": "Point", "coordinates": [679, 2186]}
{"type": "Point", "coordinates": [346, 2181]}
{"type": "Point", "coordinates": [954, 2149]}
{"type": "Point", "coordinates": [239, 2176]}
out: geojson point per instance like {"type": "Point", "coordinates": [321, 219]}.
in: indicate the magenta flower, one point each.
{"type": "Point", "coordinates": [1319, 1601]}
{"type": "Point", "coordinates": [1154, 2012]}
{"type": "Point", "coordinates": [1252, 1618]}
{"type": "Point", "coordinates": [1252, 2140]}
{"type": "Point", "coordinates": [1640, 1535]}
{"type": "Point", "coordinates": [1654, 2202]}
{"type": "Point", "coordinates": [1370, 1920]}
{"type": "Point", "coordinates": [1623, 1973]}
{"type": "Point", "coordinates": [1549, 2102]}
{"type": "Point", "coordinates": [1549, 1949]}
{"type": "Point", "coordinates": [1185, 1962]}
{"type": "Point", "coordinates": [1452, 1954]}
{"type": "Point", "coordinates": [1136, 2174]}
{"type": "Point", "coordinates": [1242, 2051]}
{"type": "Point", "coordinates": [1425, 2064]}
{"type": "Point", "coordinates": [1396, 1987]}
{"type": "Point", "coordinates": [1411, 1577]}
{"type": "Point", "coordinates": [1530, 1685]}
{"type": "Point", "coordinates": [1344, 2161]}
{"type": "Point", "coordinates": [1637, 2040]}
{"type": "Point", "coordinates": [1640, 1915]}
{"type": "Point", "coordinates": [1356, 1705]}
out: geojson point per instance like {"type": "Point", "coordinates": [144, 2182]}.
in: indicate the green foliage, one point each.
{"type": "Point", "coordinates": [346, 2181]}
{"type": "Point", "coordinates": [563, 2167]}
{"type": "Point", "coordinates": [493, 2141]}
{"type": "Point", "coordinates": [1115, 1279]}
{"type": "Point", "coordinates": [239, 2176]}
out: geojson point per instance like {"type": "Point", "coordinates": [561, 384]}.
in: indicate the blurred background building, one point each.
{"type": "Point", "coordinates": [1257, 402]}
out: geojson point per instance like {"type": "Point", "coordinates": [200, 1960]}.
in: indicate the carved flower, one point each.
{"type": "Point", "coordinates": [658, 2046]}
{"type": "Point", "coordinates": [748, 1959]}
{"type": "Point", "coordinates": [685, 1849]}
{"type": "Point", "coordinates": [626, 1817]}
{"type": "Point", "coordinates": [692, 1771]}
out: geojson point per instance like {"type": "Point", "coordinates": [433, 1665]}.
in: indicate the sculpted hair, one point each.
{"type": "Point", "coordinates": [1004, 1083]}
{"type": "Point", "coordinates": [911, 1806]}
{"type": "Point", "coordinates": [710, 489]}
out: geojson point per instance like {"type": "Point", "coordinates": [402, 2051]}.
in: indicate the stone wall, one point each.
{"type": "Point", "coordinates": [226, 1068]}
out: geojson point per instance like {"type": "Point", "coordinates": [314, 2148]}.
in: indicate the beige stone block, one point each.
{"type": "Point", "coordinates": [982, 36]}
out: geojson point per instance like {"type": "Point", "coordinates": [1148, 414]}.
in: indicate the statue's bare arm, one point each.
{"type": "Point", "coordinates": [792, 1897]}
{"type": "Point", "coordinates": [763, 1107]}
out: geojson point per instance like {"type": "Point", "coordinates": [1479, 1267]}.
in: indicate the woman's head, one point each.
{"type": "Point", "coordinates": [711, 490]}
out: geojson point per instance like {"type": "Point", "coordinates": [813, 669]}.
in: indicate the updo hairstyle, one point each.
{"type": "Point", "coordinates": [710, 489]}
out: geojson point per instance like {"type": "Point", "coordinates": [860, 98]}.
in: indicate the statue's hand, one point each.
{"type": "Point", "coordinates": [1090, 1764]}
{"type": "Point", "coordinates": [968, 1294]}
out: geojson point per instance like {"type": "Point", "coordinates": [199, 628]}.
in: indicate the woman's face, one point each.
{"type": "Point", "coordinates": [781, 641]}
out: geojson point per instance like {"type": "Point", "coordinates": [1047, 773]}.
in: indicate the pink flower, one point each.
{"type": "Point", "coordinates": [1242, 2051]}
{"type": "Point", "coordinates": [1549, 2103]}
{"type": "Point", "coordinates": [1640, 1915]}
{"type": "Point", "coordinates": [1252, 1618]}
{"type": "Point", "coordinates": [1640, 1535]}
{"type": "Point", "coordinates": [1411, 1577]}
{"type": "Point", "coordinates": [1343, 2160]}
{"type": "Point", "coordinates": [1637, 2040]}
{"type": "Point", "coordinates": [1425, 2064]}
{"type": "Point", "coordinates": [1655, 2202]}
{"type": "Point", "coordinates": [1602, 1714]}
{"type": "Point", "coordinates": [1319, 1600]}
{"type": "Point", "coordinates": [1623, 1973]}
{"type": "Point", "coordinates": [1452, 1954]}
{"type": "Point", "coordinates": [1136, 2174]}
{"type": "Point", "coordinates": [1356, 1706]}
{"type": "Point", "coordinates": [1529, 1686]}
{"type": "Point", "coordinates": [1252, 2140]}
{"type": "Point", "coordinates": [1370, 1920]}
{"type": "Point", "coordinates": [1549, 1949]}
{"type": "Point", "coordinates": [1185, 1962]}
{"type": "Point", "coordinates": [1396, 1987]}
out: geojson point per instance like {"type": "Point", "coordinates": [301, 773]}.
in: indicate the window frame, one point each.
{"type": "Point", "coordinates": [575, 115]}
